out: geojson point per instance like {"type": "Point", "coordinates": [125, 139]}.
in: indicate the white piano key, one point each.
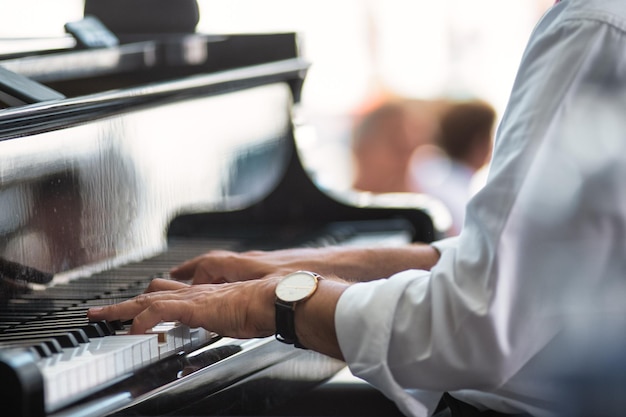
{"type": "Point", "coordinates": [199, 336]}
{"type": "Point", "coordinates": [136, 350]}
{"type": "Point", "coordinates": [112, 360]}
{"type": "Point", "coordinates": [74, 372]}
{"type": "Point", "coordinates": [170, 335]}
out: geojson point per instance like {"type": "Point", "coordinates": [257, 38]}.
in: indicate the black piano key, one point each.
{"type": "Point", "coordinates": [66, 340]}
{"type": "Point", "coordinates": [107, 329]}
{"type": "Point", "coordinates": [71, 321]}
{"type": "Point", "coordinates": [81, 329]}
{"type": "Point", "coordinates": [36, 353]}
{"type": "Point", "coordinates": [9, 323]}
{"type": "Point", "coordinates": [14, 315]}
{"type": "Point", "coordinates": [93, 330]}
{"type": "Point", "coordinates": [32, 307]}
{"type": "Point", "coordinates": [60, 315]}
{"type": "Point", "coordinates": [42, 326]}
{"type": "Point", "coordinates": [53, 345]}
{"type": "Point", "coordinates": [73, 295]}
{"type": "Point", "coordinates": [106, 301]}
{"type": "Point", "coordinates": [63, 339]}
{"type": "Point", "coordinates": [80, 335]}
{"type": "Point", "coordinates": [116, 324]}
{"type": "Point", "coordinates": [42, 349]}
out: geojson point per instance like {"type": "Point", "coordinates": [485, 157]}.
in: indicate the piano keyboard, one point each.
{"type": "Point", "coordinates": [76, 357]}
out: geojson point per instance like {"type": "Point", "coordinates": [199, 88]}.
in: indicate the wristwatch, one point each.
{"type": "Point", "coordinates": [292, 289]}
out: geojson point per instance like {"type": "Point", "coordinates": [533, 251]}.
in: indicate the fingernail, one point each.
{"type": "Point", "coordinates": [95, 309]}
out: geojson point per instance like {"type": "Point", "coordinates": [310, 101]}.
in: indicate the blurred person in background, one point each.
{"type": "Point", "coordinates": [383, 140]}
{"type": "Point", "coordinates": [461, 149]}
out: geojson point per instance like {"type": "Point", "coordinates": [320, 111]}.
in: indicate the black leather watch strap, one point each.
{"type": "Point", "coordinates": [285, 323]}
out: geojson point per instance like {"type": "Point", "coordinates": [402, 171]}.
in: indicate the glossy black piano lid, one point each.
{"type": "Point", "coordinates": [100, 176]}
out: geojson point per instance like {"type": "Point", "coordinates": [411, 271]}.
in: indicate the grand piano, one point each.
{"type": "Point", "coordinates": [123, 159]}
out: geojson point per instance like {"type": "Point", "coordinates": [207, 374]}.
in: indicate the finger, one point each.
{"type": "Point", "coordinates": [186, 270]}
{"type": "Point", "coordinates": [161, 310]}
{"type": "Point", "coordinates": [128, 309]}
{"type": "Point", "coordinates": [122, 311]}
{"type": "Point", "coordinates": [204, 276]}
{"type": "Point", "coordinates": [201, 270]}
{"type": "Point", "coordinates": [159, 284]}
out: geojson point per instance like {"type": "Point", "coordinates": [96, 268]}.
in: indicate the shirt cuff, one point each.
{"type": "Point", "coordinates": [364, 322]}
{"type": "Point", "coordinates": [445, 244]}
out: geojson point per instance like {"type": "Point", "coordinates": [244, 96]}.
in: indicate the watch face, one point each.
{"type": "Point", "coordinates": [296, 286]}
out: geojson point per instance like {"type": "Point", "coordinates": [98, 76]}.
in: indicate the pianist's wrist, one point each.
{"type": "Point", "coordinates": [365, 264]}
{"type": "Point", "coordinates": [314, 317]}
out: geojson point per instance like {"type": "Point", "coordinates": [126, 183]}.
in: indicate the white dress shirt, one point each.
{"type": "Point", "coordinates": [530, 289]}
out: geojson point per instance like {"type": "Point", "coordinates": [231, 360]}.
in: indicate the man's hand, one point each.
{"type": "Point", "coordinates": [242, 309]}
{"type": "Point", "coordinates": [220, 266]}
{"type": "Point", "coordinates": [350, 263]}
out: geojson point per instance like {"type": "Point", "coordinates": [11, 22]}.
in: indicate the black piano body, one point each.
{"type": "Point", "coordinates": [118, 163]}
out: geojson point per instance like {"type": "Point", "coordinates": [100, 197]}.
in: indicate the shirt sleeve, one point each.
{"type": "Point", "coordinates": [445, 244]}
{"type": "Point", "coordinates": [546, 221]}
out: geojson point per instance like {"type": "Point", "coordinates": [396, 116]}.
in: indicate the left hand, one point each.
{"type": "Point", "coordinates": [350, 263]}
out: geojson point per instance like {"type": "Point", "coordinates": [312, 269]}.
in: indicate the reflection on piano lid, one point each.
{"type": "Point", "coordinates": [153, 158]}
{"type": "Point", "coordinates": [17, 272]}
{"type": "Point", "coordinates": [19, 47]}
